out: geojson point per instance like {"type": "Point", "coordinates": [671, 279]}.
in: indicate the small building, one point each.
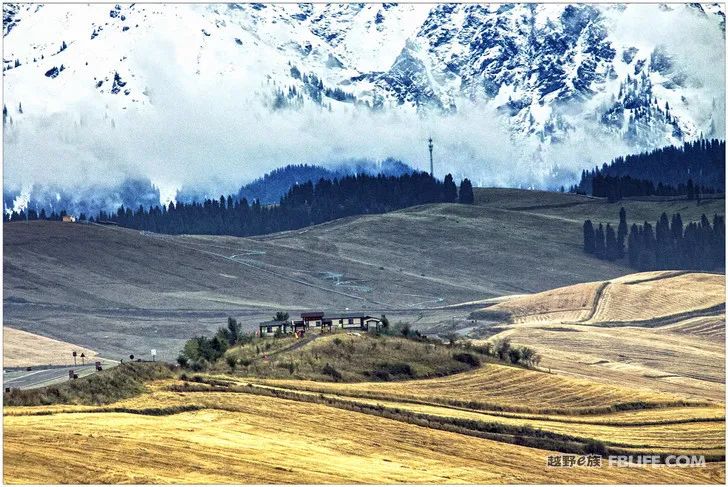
{"type": "Point", "coordinates": [359, 321]}
{"type": "Point", "coordinates": [69, 219]}
{"type": "Point", "coordinates": [312, 318]}
{"type": "Point", "coordinates": [371, 322]}
{"type": "Point", "coordinates": [273, 327]}
{"type": "Point", "coordinates": [317, 319]}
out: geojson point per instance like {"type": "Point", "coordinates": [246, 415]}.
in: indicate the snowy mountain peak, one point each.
{"type": "Point", "coordinates": [97, 76]}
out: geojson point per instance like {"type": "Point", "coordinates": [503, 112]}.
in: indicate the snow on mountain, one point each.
{"type": "Point", "coordinates": [98, 88]}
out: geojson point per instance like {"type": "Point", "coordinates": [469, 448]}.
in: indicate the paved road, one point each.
{"type": "Point", "coordinates": [45, 377]}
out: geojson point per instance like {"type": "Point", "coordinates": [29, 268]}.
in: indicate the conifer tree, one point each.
{"type": "Point", "coordinates": [589, 239]}
{"type": "Point", "coordinates": [610, 244]}
{"type": "Point", "coordinates": [676, 228]}
{"type": "Point", "coordinates": [449, 190]}
{"type": "Point", "coordinates": [634, 245]}
{"type": "Point", "coordinates": [663, 243]}
{"type": "Point", "coordinates": [718, 243]}
{"type": "Point", "coordinates": [691, 190]}
{"type": "Point", "coordinates": [621, 232]}
{"type": "Point", "coordinates": [466, 192]}
{"type": "Point", "coordinates": [599, 245]}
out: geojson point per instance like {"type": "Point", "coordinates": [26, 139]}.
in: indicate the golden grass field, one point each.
{"type": "Point", "coordinates": [571, 303]}
{"type": "Point", "coordinates": [658, 331]}
{"type": "Point", "coordinates": [497, 387]}
{"type": "Point", "coordinates": [21, 349]}
{"type": "Point", "coordinates": [635, 297]}
{"type": "Point", "coordinates": [641, 297]}
{"type": "Point", "coordinates": [633, 381]}
{"type": "Point", "coordinates": [246, 438]}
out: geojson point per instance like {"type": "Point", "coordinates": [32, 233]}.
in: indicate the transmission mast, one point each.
{"type": "Point", "coordinates": [432, 171]}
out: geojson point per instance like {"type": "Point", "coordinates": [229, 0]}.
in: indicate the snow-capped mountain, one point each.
{"type": "Point", "coordinates": [629, 77]}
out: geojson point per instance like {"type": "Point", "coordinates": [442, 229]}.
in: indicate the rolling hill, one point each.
{"type": "Point", "coordinates": [661, 331]}
{"type": "Point", "coordinates": [243, 436]}
{"type": "Point", "coordinates": [21, 349]}
{"type": "Point", "coordinates": [631, 363]}
{"type": "Point", "coordinates": [494, 424]}
{"type": "Point", "coordinates": [119, 291]}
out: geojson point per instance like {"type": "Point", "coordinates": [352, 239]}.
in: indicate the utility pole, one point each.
{"type": "Point", "coordinates": [432, 171]}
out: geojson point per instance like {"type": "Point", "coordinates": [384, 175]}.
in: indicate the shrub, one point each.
{"type": "Point", "coordinates": [529, 356]}
{"type": "Point", "coordinates": [183, 361]}
{"type": "Point", "coordinates": [452, 339]}
{"type": "Point", "coordinates": [199, 365]}
{"type": "Point", "coordinates": [596, 448]}
{"type": "Point", "coordinates": [385, 322]}
{"type": "Point", "coordinates": [109, 385]}
{"type": "Point", "coordinates": [485, 349]}
{"type": "Point", "coordinates": [491, 315]}
{"type": "Point", "coordinates": [502, 348]}
{"type": "Point", "coordinates": [331, 371]}
{"type": "Point", "coordinates": [203, 348]}
{"type": "Point", "coordinates": [394, 369]}
{"type": "Point", "coordinates": [467, 358]}
{"type": "Point", "coordinates": [405, 330]}
{"type": "Point", "coordinates": [381, 375]}
{"type": "Point", "coordinates": [290, 366]}
{"type": "Point", "coordinates": [231, 361]}
{"type": "Point", "coordinates": [514, 355]}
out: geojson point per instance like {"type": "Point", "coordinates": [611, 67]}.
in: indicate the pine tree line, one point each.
{"type": "Point", "coordinates": [668, 245]}
{"type": "Point", "coordinates": [614, 188]}
{"type": "Point", "coordinates": [303, 205]}
{"type": "Point", "coordinates": [666, 171]}
{"type": "Point", "coordinates": [32, 214]}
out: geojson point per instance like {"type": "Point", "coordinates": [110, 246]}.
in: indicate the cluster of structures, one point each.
{"type": "Point", "coordinates": [317, 320]}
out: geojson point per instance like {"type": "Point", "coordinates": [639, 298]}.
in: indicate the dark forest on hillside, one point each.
{"type": "Point", "coordinates": [670, 244]}
{"type": "Point", "coordinates": [269, 188]}
{"type": "Point", "coordinates": [303, 205]}
{"type": "Point", "coordinates": [697, 168]}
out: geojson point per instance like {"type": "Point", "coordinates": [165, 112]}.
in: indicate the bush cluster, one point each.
{"type": "Point", "coordinates": [109, 385]}
{"type": "Point", "coordinates": [504, 351]}
{"type": "Point", "coordinates": [199, 352]}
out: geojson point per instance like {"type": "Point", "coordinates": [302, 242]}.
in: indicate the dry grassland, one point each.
{"type": "Point", "coordinates": [712, 327]}
{"type": "Point", "coordinates": [640, 297]}
{"type": "Point", "coordinates": [500, 387]}
{"type": "Point", "coordinates": [636, 299]}
{"type": "Point", "coordinates": [678, 431]}
{"type": "Point", "coordinates": [656, 331]}
{"type": "Point", "coordinates": [571, 303]}
{"type": "Point", "coordinates": [254, 439]}
{"type": "Point", "coordinates": [21, 349]}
